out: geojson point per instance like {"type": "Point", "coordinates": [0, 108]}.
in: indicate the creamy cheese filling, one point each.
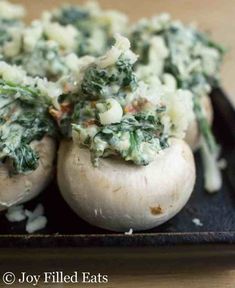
{"type": "Point", "coordinates": [115, 112]}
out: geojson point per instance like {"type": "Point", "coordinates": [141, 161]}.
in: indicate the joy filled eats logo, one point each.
{"type": "Point", "coordinates": [56, 277]}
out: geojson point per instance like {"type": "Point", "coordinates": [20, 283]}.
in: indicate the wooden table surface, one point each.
{"type": "Point", "coordinates": [202, 266]}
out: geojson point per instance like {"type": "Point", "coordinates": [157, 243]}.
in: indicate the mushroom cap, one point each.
{"type": "Point", "coordinates": [119, 195]}
{"type": "Point", "coordinates": [21, 188]}
{"type": "Point", "coordinates": [193, 134]}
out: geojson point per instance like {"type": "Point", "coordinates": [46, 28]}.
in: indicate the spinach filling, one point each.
{"type": "Point", "coordinates": [134, 138]}
{"type": "Point", "coordinates": [194, 60]}
{"type": "Point", "coordinates": [101, 83]}
{"type": "Point", "coordinates": [94, 36]}
{"type": "Point", "coordinates": [44, 61]}
{"type": "Point", "coordinates": [199, 83]}
{"type": "Point", "coordinates": [23, 119]}
{"type": "Point", "coordinates": [137, 137]}
{"type": "Point", "coordinates": [181, 42]}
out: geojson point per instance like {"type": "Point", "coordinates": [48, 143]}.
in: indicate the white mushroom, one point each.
{"type": "Point", "coordinates": [193, 134]}
{"type": "Point", "coordinates": [20, 188]}
{"type": "Point", "coordinates": [120, 196]}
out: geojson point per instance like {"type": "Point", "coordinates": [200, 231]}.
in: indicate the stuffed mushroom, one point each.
{"type": "Point", "coordinates": [126, 166]}
{"type": "Point", "coordinates": [120, 196]}
{"type": "Point", "coordinates": [27, 145]}
{"type": "Point", "coordinates": [50, 46]}
{"type": "Point", "coordinates": [193, 60]}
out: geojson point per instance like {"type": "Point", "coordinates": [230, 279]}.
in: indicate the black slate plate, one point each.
{"type": "Point", "coordinates": [216, 212]}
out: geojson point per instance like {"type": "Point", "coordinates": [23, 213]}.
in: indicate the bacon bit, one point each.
{"type": "Point", "coordinates": [130, 109]}
{"type": "Point", "coordinates": [139, 105]}
{"type": "Point", "coordinates": [90, 122]}
{"type": "Point", "coordinates": [93, 104]}
{"type": "Point", "coordinates": [68, 87]}
{"type": "Point", "coordinates": [136, 106]}
{"type": "Point", "coordinates": [66, 107]}
{"type": "Point", "coordinates": [57, 114]}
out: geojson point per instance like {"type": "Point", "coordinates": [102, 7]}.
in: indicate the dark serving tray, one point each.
{"type": "Point", "coordinates": [215, 211]}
